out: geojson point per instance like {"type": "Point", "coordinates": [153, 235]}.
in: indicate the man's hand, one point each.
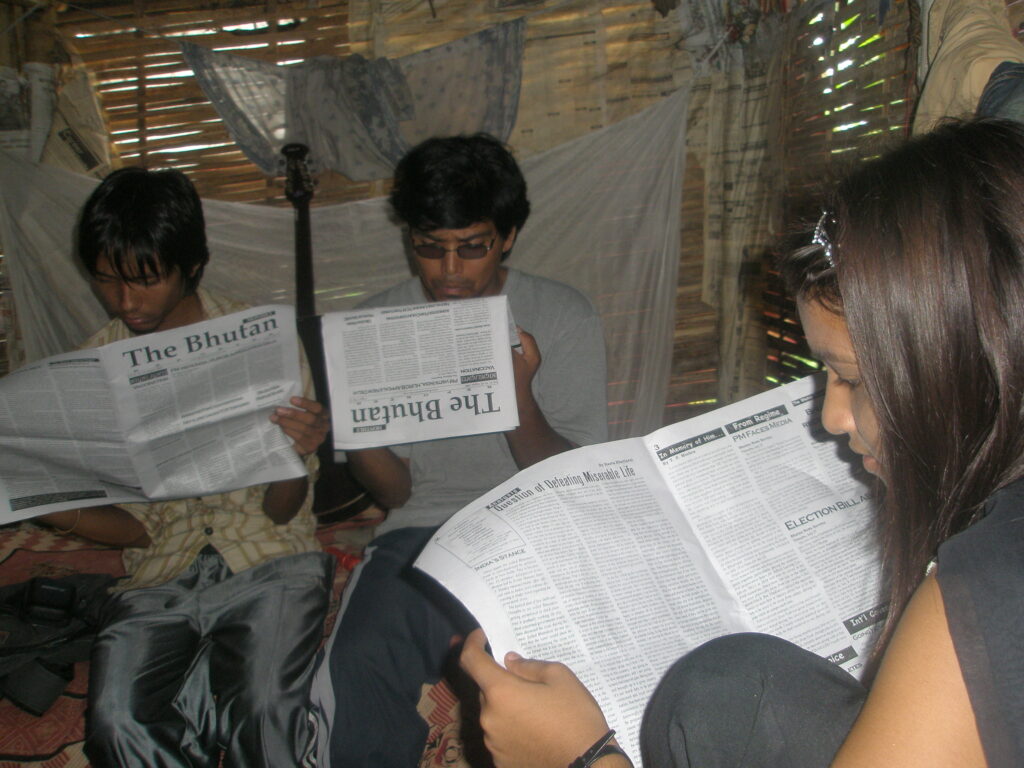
{"type": "Point", "coordinates": [525, 362]}
{"type": "Point", "coordinates": [534, 439]}
{"type": "Point", "coordinates": [535, 714]}
{"type": "Point", "coordinates": [306, 425]}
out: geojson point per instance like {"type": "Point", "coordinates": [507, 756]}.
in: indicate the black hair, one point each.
{"type": "Point", "coordinates": [456, 181]}
{"type": "Point", "coordinates": [145, 223]}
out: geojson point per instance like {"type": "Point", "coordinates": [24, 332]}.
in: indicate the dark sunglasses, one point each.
{"type": "Point", "coordinates": [465, 251]}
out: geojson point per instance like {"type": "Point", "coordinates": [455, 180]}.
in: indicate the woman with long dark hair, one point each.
{"type": "Point", "coordinates": [911, 293]}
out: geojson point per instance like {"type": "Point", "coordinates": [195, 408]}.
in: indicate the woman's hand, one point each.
{"type": "Point", "coordinates": [534, 714]}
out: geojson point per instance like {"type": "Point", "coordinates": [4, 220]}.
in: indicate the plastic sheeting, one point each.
{"type": "Point", "coordinates": [605, 219]}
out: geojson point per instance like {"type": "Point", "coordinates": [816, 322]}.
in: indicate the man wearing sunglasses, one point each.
{"type": "Point", "coordinates": [463, 201]}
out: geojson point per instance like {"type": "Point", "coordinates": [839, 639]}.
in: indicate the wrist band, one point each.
{"type": "Point", "coordinates": [78, 519]}
{"type": "Point", "coordinates": [601, 748]}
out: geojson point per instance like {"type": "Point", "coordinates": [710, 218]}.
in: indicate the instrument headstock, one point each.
{"type": "Point", "coordinates": [298, 184]}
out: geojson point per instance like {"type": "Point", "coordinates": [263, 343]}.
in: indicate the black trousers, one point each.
{"type": "Point", "coordinates": [750, 700]}
{"type": "Point", "coordinates": [209, 660]}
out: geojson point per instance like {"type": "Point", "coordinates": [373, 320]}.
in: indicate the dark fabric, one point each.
{"type": "Point", "coordinates": [394, 635]}
{"type": "Point", "coordinates": [28, 631]}
{"type": "Point", "coordinates": [45, 626]}
{"type": "Point", "coordinates": [749, 700]}
{"type": "Point", "coordinates": [981, 577]}
{"type": "Point", "coordinates": [209, 660]}
{"type": "Point", "coordinates": [1004, 93]}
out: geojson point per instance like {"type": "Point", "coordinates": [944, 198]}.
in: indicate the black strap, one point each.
{"type": "Point", "coordinates": [601, 748]}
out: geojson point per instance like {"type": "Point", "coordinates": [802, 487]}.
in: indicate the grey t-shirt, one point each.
{"type": "Point", "coordinates": [570, 387]}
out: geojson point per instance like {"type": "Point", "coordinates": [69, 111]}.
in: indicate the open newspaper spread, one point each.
{"type": "Point", "coordinates": [184, 412]}
{"type": "Point", "coordinates": [420, 372]}
{"type": "Point", "coordinates": [618, 558]}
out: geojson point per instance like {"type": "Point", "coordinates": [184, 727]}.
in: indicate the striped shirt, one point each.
{"type": "Point", "coordinates": [234, 523]}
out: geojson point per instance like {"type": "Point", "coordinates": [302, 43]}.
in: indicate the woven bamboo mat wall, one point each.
{"type": "Point", "coordinates": [586, 65]}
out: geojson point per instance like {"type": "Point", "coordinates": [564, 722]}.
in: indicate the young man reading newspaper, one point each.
{"type": "Point", "coordinates": [209, 642]}
{"type": "Point", "coordinates": [463, 200]}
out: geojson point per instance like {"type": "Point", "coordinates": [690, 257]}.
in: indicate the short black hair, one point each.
{"type": "Point", "coordinates": [455, 181]}
{"type": "Point", "coordinates": [145, 223]}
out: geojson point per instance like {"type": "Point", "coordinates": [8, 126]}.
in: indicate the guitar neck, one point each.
{"type": "Point", "coordinates": [299, 191]}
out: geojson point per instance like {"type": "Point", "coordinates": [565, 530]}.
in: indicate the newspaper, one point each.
{"type": "Point", "coordinates": [618, 558]}
{"type": "Point", "coordinates": [420, 372]}
{"type": "Point", "coordinates": [174, 414]}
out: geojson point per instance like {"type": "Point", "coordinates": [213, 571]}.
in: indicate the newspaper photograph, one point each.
{"type": "Point", "coordinates": [420, 372]}
{"type": "Point", "coordinates": [180, 413]}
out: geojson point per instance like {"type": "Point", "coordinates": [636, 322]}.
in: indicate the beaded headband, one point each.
{"type": "Point", "coordinates": [820, 237]}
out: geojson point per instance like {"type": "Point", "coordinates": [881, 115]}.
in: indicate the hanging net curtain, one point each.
{"type": "Point", "coordinates": [605, 220]}
{"type": "Point", "coordinates": [359, 116]}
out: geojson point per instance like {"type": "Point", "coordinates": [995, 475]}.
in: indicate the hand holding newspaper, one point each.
{"type": "Point", "coordinates": [420, 372]}
{"type": "Point", "coordinates": [616, 559]}
{"type": "Point", "coordinates": [180, 413]}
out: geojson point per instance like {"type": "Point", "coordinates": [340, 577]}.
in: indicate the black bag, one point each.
{"type": "Point", "coordinates": [45, 626]}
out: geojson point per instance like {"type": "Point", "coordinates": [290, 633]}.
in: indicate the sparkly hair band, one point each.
{"type": "Point", "coordinates": [820, 237]}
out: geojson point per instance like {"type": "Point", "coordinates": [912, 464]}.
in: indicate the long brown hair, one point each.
{"type": "Point", "coordinates": [926, 265]}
